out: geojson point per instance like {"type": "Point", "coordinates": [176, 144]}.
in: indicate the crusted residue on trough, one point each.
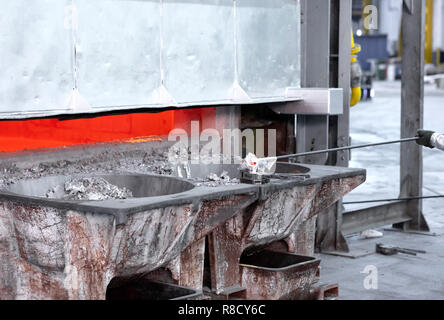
{"type": "Point", "coordinates": [54, 248]}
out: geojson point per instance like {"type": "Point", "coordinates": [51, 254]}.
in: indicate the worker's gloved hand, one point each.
{"type": "Point", "coordinates": [425, 138]}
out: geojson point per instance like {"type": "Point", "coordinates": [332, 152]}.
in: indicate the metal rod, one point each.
{"type": "Point", "coordinates": [345, 148]}
{"type": "Point", "coordinates": [393, 200]}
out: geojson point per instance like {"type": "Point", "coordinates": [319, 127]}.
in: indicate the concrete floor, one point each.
{"type": "Point", "coordinates": [401, 276]}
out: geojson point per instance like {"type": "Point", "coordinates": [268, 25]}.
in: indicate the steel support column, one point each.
{"type": "Point", "coordinates": [342, 122]}
{"type": "Point", "coordinates": [328, 234]}
{"type": "Point", "coordinates": [412, 109]}
{"type": "Point", "coordinates": [312, 131]}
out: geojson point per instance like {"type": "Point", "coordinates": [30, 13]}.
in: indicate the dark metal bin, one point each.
{"type": "Point", "coordinates": [269, 275]}
{"type": "Point", "coordinates": [144, 289]}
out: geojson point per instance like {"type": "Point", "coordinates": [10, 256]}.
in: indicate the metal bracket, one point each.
{"type": "Point", "coordinates": [313, 101]}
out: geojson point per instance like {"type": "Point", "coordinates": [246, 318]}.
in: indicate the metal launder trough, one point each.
{"type": "Point", "coordinates": [59, 249]}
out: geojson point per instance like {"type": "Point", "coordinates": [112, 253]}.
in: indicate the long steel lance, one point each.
{"type": "Point", "coordinates": [252, 163]}
{"type": "Point", "coordinates": [344, 148]}
{"type": "Point", "coordinates": [358, 147]}
{"type": "Point", "coordinates": [395, 200]}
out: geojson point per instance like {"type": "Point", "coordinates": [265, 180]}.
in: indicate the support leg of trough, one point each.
{"type": "Point", "coordinates": [225, 248]}
{"type": "Point", "coordinates": [192, 265]}
{"type": "Point", "coordinates": [88, 268]}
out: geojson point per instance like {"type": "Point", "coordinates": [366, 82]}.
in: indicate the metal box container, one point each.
{"type": "Point", "coordinates": [144, 289]}
{"type": "Point", "coordinates": [270, 275]}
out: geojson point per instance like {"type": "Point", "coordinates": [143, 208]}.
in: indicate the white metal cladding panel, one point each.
{"type": "Point", "coordinates": [268, 46]}
{"type": "Point", "coordinates": [198, 49]}
{"type": "Point", "coordinates": [145, 53]}
{"type": "Point", "coordinates": [36, 72]}
{"type": "Point", "coordinates": [118, 48]}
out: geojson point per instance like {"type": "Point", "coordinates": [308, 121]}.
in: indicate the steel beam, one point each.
{"type": "Point", "coordinates": [374, 217]}
{"type": "Point", "coordinates": [343, 75]}
{"type": "Point", "coordinates": [329, 236]}
{"type": "Point", "coordinates": [343, 121]}
{"type": "Point", "coordinates": [312, 131]}
{"type": "Point", "coordinates": [412, 110]}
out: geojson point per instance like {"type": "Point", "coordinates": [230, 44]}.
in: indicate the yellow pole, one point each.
{"type": "Point", "coordinates": [429, 32]}
{"type": "Point", "coordinates": [356, 87]}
